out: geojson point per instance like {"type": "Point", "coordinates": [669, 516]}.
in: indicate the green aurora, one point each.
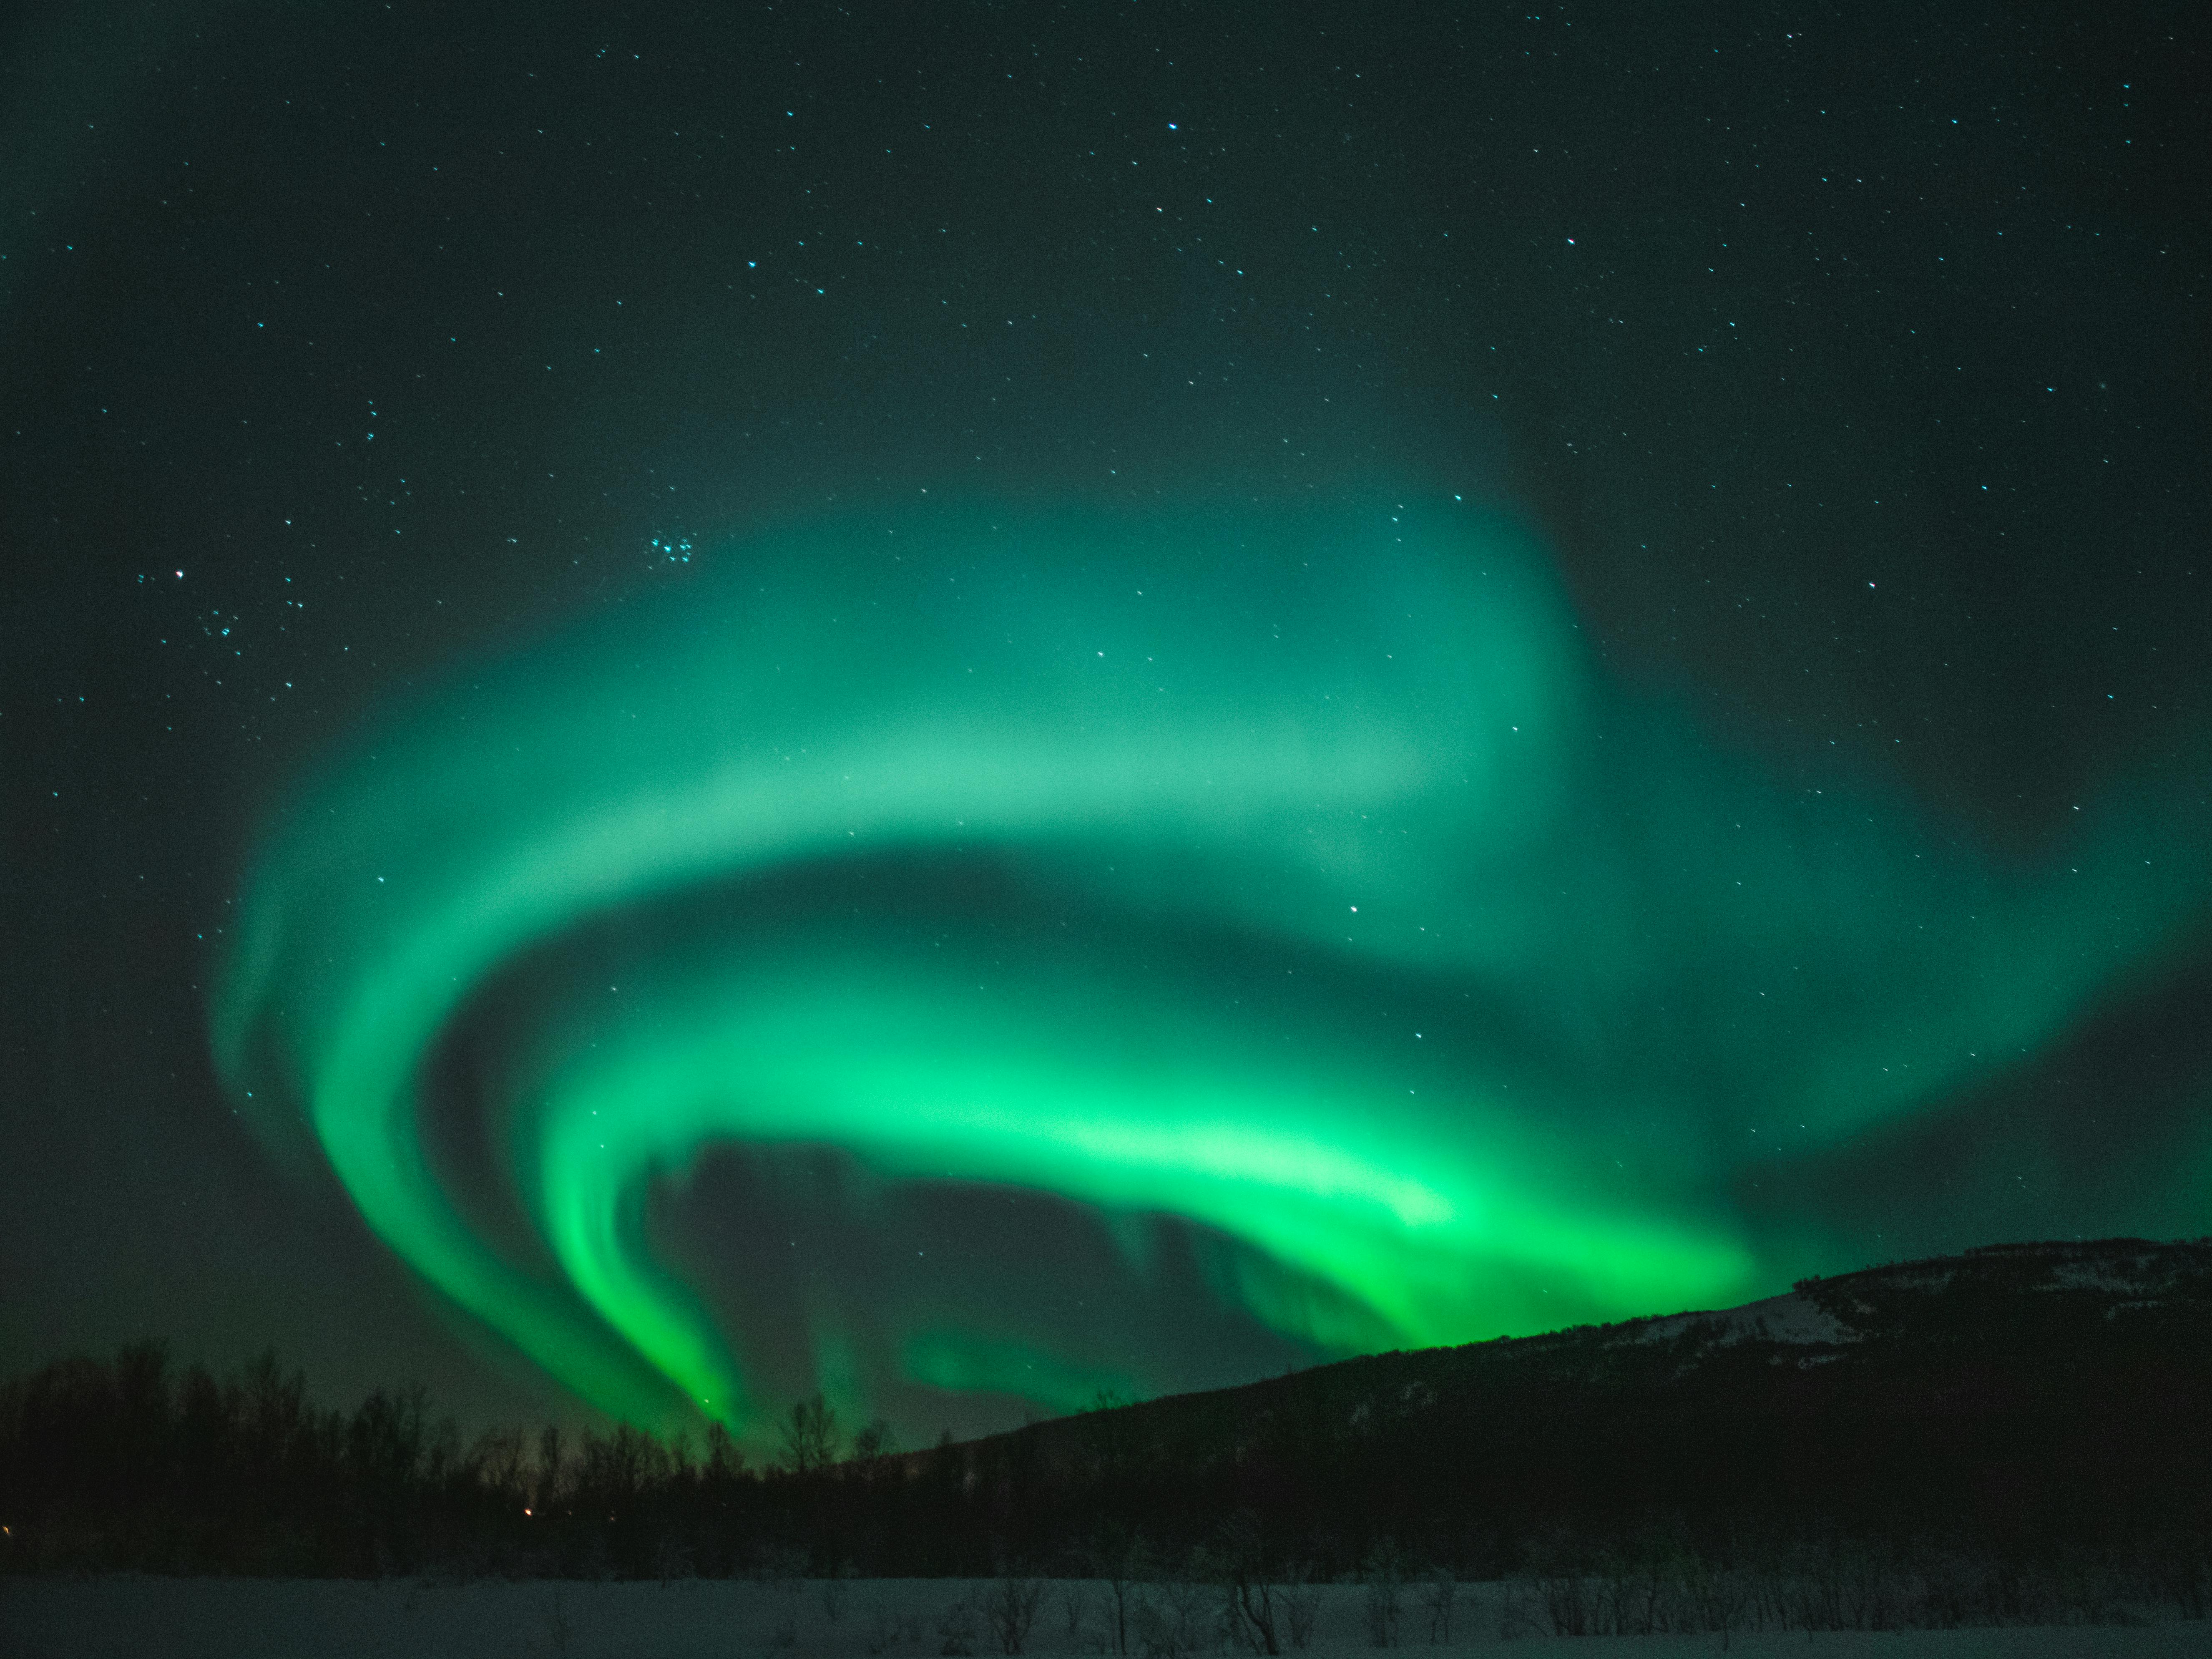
{"type": "Point", "coordinates": [1294, 872]}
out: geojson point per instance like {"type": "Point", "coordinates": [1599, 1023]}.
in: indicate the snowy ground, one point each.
{"type": "Point", "coordinates": [131, 1617]}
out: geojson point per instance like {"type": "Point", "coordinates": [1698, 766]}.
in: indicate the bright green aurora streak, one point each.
{"type": "Point", "coordinates": [1292, 873]}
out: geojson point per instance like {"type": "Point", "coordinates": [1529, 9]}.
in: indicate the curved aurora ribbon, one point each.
{"type": "Point", "coordinates": [1292, 873]}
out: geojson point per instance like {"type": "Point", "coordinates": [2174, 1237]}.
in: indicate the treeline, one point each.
{"type": "Point", "coordinates": [1585, 1492]}
{"type": "Point", "coordinates": [2037, 1406]}
{"type": "Point", "coordinates": [127, 1464]}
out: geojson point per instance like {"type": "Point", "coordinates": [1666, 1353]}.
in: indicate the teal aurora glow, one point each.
{"type": "Point", "coordinates": [1292, 872]}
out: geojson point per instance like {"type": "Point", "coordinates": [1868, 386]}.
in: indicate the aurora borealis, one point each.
{"type": "Point", "coordinates": [968, 705]}
{"type": "Point", "coordinates": [1294, 873]}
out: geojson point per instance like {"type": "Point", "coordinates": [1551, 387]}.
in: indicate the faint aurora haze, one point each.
{"type": "Point", "coordinates": [1293, 871]}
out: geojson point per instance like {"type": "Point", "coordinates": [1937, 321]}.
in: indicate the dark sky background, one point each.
{"type": "Point", "coordinates": [1851, 362]}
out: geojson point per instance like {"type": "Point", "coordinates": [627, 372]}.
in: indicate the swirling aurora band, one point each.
{"type": "Point", "coordinates": [1290, 873]}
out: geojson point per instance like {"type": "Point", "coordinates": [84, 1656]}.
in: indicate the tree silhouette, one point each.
{"type": "Point", "coordinates": [875, 1440]}
{"type": "Point", "coordinates": [810, 1435]}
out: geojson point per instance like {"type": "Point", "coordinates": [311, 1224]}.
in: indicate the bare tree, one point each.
{"type": "Point", "coordinates": [1174, 1624]}
{"type": "Point", "coordinates": [1010, 1610]}
{"type": "Point", "coordinates": [875, 1440]}
{"type": "Point", "coordinates": [810, 1435]}
{"type": "Point", "coordinates": [552, 1470]}
{"type": "Point", "coordinates": [1123, 1560]}
{"type": "Point", "coordinates": [1301, 1602]}
{"type": "Point", "coordinates": [1566, 1602]}
{"type": "Point", "coordinates": [1721, 1599]}
{"type": "Point", "coordinates": [1438, 1591]}
{"type": "Point", "coordinates": [1240, 1564]}
{"type": "Point", "coordinates": [1386, 1580]}
{"type": "Point", "coordinates": [956, 1626]}
{"type": "Point", "coordinates": [1075, 1602]}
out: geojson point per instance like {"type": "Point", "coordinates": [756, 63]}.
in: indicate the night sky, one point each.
{"type": "Point", "coordinates": [969, 703]}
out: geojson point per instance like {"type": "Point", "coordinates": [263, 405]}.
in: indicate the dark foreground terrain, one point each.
{"type": "Point", "coordinates": [2022, 1435]}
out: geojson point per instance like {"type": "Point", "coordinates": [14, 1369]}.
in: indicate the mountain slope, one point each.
{"type": "Point", "coordinates": [2052, 1391]}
